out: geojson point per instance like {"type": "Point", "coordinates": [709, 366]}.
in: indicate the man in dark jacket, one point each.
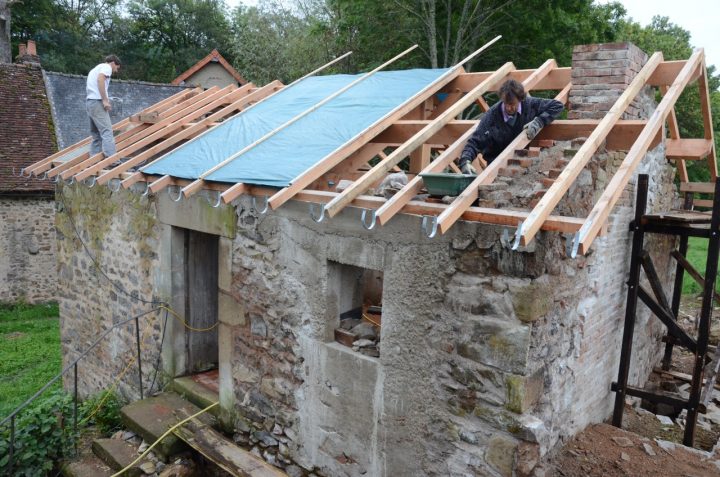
{"type": "Point", "coordinates": [505, 120]}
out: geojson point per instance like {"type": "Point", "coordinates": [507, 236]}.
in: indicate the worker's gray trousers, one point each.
{"type": "Point", "coordinates": [100, 128]}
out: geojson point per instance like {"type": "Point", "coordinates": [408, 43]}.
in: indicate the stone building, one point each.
{"type": "Point", "coordinates": [482, 356]}
{"type": "Point", "coordinates": [42, 111]}
{"type": "Point", "coordinates": [213, 70]}
{"type": "Point", "coordinates": [27, 209]}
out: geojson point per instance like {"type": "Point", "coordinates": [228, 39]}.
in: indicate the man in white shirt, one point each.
{"type": "Point", "coordinates": [98, 106]}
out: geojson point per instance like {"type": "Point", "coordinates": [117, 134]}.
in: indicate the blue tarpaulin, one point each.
{"type": "Point", "coordinates": [291, 151]}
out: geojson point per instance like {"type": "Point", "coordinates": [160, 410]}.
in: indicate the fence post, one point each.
{"type": "Point", "coordinates": [75, 405]}
{"type": "Point", "coordinates": [137, 339]}
{"type": "Point", "coordinates": [12, 445]}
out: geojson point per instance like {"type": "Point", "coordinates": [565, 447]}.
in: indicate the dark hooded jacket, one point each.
{"type": "Point", "coordinates": [493, 134]}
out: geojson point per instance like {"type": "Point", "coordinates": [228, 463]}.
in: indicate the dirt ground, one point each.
{"type": "Point", "coordinates": [646, 446]}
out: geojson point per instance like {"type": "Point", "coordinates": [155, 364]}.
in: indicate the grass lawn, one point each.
{"type": "Point", "coordinates": [29, 352]}
{"type": "Point", "coordinates": [697, 254]}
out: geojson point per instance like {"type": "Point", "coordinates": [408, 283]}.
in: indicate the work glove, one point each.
{"type": "Point", "coordinates": [468, 168]}
{"type": "Point", "coordinates": [533, 128]}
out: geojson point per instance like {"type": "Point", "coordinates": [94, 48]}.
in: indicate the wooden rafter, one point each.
{"type": "Point", "coordinates": [600, 212]}
{"type": "Point", "coordinates": [196, 185]}
{"type": "Point", "coordinates": [561, 185]}
{"type": "Point", "coordinates": [46, 163]}
{"type": "Point", "coordinates": [395, 204]}
{"type": "Point", "coordinates": [241, 104]}
{"type": "Point", "coordinates": [204, 102]}
{"type": "Point", "coordinates": [382, 168]}
{"type": "Point", "coordinates": [340, 154]}
{"type": "Point", "coordinates": [455, 210]}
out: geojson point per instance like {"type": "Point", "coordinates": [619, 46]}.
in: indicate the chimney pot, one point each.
{"type": "Point", "coordinates": [31, 50]}
{"type": "Point", "coordinates": [22, 49]}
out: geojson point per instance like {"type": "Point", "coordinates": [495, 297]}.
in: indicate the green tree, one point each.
{"type": "Point", "coordinates": [168, 36]}
{"type": "Point", "coordinates": [674, 41]}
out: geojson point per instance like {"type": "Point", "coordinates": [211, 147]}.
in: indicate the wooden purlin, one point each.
{"type": "Point", "coordinates": [229, 103]}
{"type": "Point", "coordinates": [196, 185]}
{"type": "Point", "coordinates": [361, 185]}
{"type": "Point", "coordinates": [40, 166]}
{"type": "Point", "coordinates": [600, 212]}
{"type": "Point", "coordinates": [561, 185]}
{"type": "Point", "coordinates": [455, 210]}
{"type": "Point", "coordinates": [253, 98]}
{"type": "Point", "coordinates": [155, 132]}
{"type": "Point", "coordinates": [395, 203]}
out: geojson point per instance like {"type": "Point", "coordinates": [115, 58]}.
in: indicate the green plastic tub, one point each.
{"type": "Point", "coordinates": [446, 183]}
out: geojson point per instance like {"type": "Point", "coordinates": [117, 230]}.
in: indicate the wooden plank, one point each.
{"type": "Point", "coordinates": [253, 98]}
{"type": "Point", "coordinates": [600, 212]}
{"type": "Point", "coordinates": [689, 149]}
{"type": "Point", "coordinates": [454, 212]}
{"type": "Point", "coordinates": [707, 118]}
{"type": "Point", "coordinates": [561, 185]}
{"type": "Point", "coordinates": [698, 187]}
{"type": "Point", "coordinates": [223, 452]}
{"type": "Point", "coordinates": [238, 99]}
{"type": "Point", "coordinates": [204, 102]}
{"type": "Point", "coordinates": [666, 73]}
{"type": "Point", "coordinates": [681, 376]}
{"type": "Point", "coordinates": [337, 156]}
{"type": "Point", "coordinates": [382, 168]}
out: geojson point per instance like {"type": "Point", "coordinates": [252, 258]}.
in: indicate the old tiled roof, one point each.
{"type": "Point", "coordinates": [26, 129]}
{"type": "Point", "coordinates": [212, 56]}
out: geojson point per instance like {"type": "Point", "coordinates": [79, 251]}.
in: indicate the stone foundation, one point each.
{"type": "Point", "coordinates": [27, 250]}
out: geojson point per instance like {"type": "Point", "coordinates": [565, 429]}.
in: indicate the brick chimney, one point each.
{"type": "Point", "coordinates": [600, 74]}
{"type": "Point", "coordinates": [27, 54]}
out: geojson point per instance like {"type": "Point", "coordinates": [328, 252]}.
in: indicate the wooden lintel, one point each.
{"type": "Point", "coordinates": [698, 187]}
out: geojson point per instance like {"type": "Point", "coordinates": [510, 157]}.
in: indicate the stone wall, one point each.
{"type": "Point", "coordinates": [27, 250]}
{"type": "Point", "coordinates": [107, 263]}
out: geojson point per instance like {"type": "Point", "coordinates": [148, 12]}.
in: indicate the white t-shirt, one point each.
{"type": "Point", "coordinates": [92, 80]}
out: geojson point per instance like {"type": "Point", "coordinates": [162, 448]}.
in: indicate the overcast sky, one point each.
{"type": "Point", "coordinates": [700, 17]}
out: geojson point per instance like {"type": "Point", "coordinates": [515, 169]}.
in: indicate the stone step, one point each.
{"type": "Point", "coordinates": [152, 417]}
{"type": "Point", "coordinates": [534, 152]}
{"type": "Point", "coordinates": [196, 393]}
{"type": "Point", "coordinates": [88, 466]}
{"type": "Point", "coordinates": [543, 143]}
{"type": "Point", "coordinates": [561, 163]}
{"type": "Point", "coordinates": [570, 153]}
{"type": "Point", "coordinates": [118, 454]}
{"type": "Point", "coordinates": [521, 153]}
{"type": "Point", "coordinates": [554, 173]}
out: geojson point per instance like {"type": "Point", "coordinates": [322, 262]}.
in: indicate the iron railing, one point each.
{"type": "Point", "coordinates": [11, 419]}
